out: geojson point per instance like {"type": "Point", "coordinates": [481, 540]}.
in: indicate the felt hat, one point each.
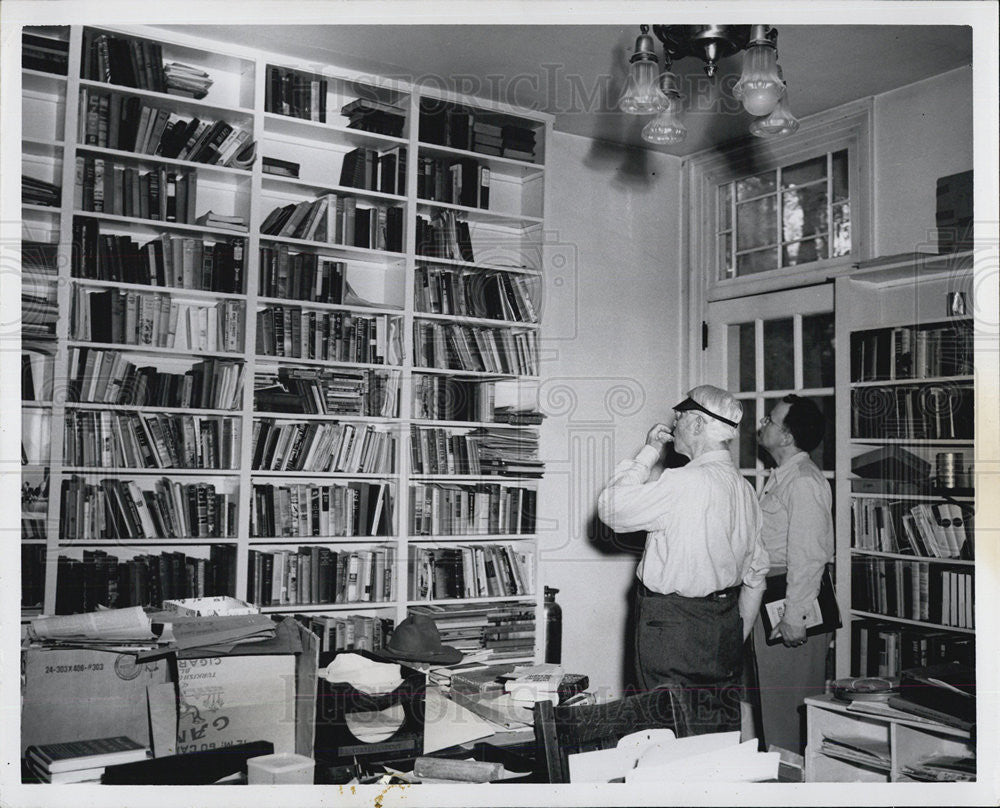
{"type": "Point", "coordinates": [416, 639]}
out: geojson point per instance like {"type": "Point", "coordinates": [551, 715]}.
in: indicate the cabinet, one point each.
{"type": "Point", "coordinates": [906, 466]}
{"type": "Point", "coordinates": [293, 322]}
{"type": "Point", "coordinates": [897, 744]}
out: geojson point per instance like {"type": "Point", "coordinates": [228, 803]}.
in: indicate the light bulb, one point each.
{"type": "Point", "coordinates": [642, 96]}
{"type": "Point", "coordinates": [667, 127]}
{"type": "Point", "coordinates": [779, 122]}
{"type": "Point", "coordinates": [760, 86]}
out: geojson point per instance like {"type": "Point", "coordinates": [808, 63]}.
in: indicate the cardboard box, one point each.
{"type": "Point", "coordinates": [72, 694]}
{"type": "Point", "coordinates": [227, 700]}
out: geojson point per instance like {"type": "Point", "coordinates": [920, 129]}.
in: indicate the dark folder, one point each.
{"type": "Point", "coordinates": [826, 599]}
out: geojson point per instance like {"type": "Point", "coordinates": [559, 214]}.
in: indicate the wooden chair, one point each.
{"type": "Point", "coordinates": [561, 731]}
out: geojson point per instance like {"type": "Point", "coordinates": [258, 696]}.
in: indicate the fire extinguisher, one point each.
{"type": "Point", "coordinates": [553, 626]}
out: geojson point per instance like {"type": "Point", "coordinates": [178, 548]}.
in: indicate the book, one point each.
{"type": "Point", "coordinates": [76, 755]}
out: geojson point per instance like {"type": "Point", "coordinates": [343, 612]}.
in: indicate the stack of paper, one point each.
{"type": "Point", "coordinates": [656, 755]}
{"type": "Point", "coordinates": [535, 683]}
{"type": "Point", "coordinates": [858, 750]}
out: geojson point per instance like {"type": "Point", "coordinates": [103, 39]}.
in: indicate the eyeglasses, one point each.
{"type": "Point", "coordinates": [767, 420]}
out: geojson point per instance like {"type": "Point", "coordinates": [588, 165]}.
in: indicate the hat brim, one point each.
{"type": "Point", "coordinates": [445, 655]}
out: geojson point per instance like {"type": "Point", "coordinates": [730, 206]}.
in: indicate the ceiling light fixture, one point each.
{"type": "Point", "coordinates": [760, 88]}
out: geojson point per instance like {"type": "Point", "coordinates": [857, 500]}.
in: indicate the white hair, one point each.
{"type": "Point", "coordinates": [722, 403]}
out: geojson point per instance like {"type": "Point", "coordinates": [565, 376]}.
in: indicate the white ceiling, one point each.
{"type": "Point", "coordinates": [576, 72]}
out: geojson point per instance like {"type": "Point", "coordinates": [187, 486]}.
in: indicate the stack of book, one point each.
{"type": "Point", "coordinates": [490, 295]}
{"type": "Point", "coordinates": [81, 761]}
{"type": "Point", "coordinates": [39, 192]}
{"type": "Point", "coordinates": [353, 632]}
{"type": "Point", "coordinates": [44, 53]}
{"type": "Point", "coordinates": [222, 221]}
{"type": "Point", "coordinates": [473, 348]}
{"type": "Point", "coordinates": [317, 575]}
{"type": "Point", "coordinates": [371, 171]}
{"type": "Point", "coordinates": [280, 168]}
{"type": "Point", "coordinates": [37, 372]}
{"type": "Point", "coordinates": [914, 590]}
{"type": "Point", "coordinates": [186, 80]}
{"type": "Point", "coordinates": [885, 649]}
{"type": "Point", "coordinates": [483, 451]}
{"type": "Point", "coordinates": [370, 115]}
{"type": "Point", "coordinates": [322, 447]}
{"type": "Point", "coordinates": [518, 142]}
{"type": "Point", "coordinates": [32, 571]}
{"type": "Point", "coordinates": [487, 138]}
{"type": "Point", "coordinates": [292, 332]}
{"type": "Point", "coordinates": [100, 579]}
{"type": "Point", "coordinates": [338, 219]}
{"type": "Point", "coordinates": [128, 61]}
{"type": "Point", "coordinates": [39, 305]}
{"type": "Point", "coordinates": [103, 186]}
{"type": "Point", "coordinates": [444, 236]}
{"type": "Point", "coordinates": [457, 182]}
{"type": "Point", "coordinates": [469, 571]}
{"type": "Point", "coordinates": [120, 509]}
{"type": "Point", "coordinates": [929, 530]}
{"type": "Point", "coordinates": [294, 93]}
{"type": "Point", "coordinates": [325, 391]}
{"type": "Point", "coordinates": [292, 511]}
{"type": "Point", "coordinates": [495, 630]}
{"type": "Point", "coordinates": [300, 276]}
{"type": "Point", "coordinates": [463, 510]}
{"type": "Point", "coordinates": [167, 260]}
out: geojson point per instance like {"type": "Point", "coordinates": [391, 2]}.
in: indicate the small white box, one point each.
{"type": "Point", "coordinates": [283, 769]}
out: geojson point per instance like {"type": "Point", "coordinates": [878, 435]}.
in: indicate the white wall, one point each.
{"type": "Point", "coordinates": [610, 338]}
{"type": "Point", "coordinates": [922, 132]}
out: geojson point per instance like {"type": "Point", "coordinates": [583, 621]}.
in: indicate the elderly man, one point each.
{"type": "Point", "coordinates": [701, 576]}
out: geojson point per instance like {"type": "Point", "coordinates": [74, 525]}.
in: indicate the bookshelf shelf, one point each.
{"type": "Point", "coordinates": [922, 623]}
{"type": "Point", "coordinates": [910, 557]}
{"type": "Point", "coordinates": [473, 601]}
{"type": "Point", "coordinates": [158, 225]}
{"type": "Point", "coordinates": [135, 158]}
{"type": "Point", "coordinates": [499, 166]}
{"type": "Point", "coordinates": [510, 220]}
{"type": "Point", "coordinates": [908, 377]}
{"type": "Point", "coordinates": [487, 321]}
{"type": "Point", "coordinates": [55, 131]}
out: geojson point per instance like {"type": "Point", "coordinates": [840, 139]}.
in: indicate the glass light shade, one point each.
{"type": "Point", "coordinates": [760, 86]}
{"type": "Point", "coordinates": [667, 127]}
{"type": "Point", "coordinates": [642, 94]}
{"type": "Point", "coordinates": [779, 122]}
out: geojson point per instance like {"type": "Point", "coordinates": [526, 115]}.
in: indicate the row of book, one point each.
{"type": "Point", "coordinates": [300, 276]}
{"type": "Point", "coordinates": [469, 571]}
{"type": "Point", "coordinates": [34, 503]}
{"type": "Point", "coordinates": [39, 292]}
{"type": "Point", "coordinates": [351, 632]}
{"type": "Point", "coordinates": [371, 115]}
{"type": "Point", "coordinates": [81, 761]}
{"type": "Point", "coordinates": [371, 171]}
{"type": "Point", "coordinates": [482, 451]}
{"type": "Point", "coordinates": [474, 348]}
{"type": "Point", "coordinates": [438, 509]}
{"type": "Point", "coordinates": [294, 93]}
{"type": "Point", "coordinates": [103, 186]}
{"type": "Point", "coordinates": [150, 440]}
{"type": "Point", "coordinates": [928, 412]}
{"type": "Point", "coordinates": [39, 192]}
{"type": "Point", "coordinates": [884, 649]}
{"type": "Point", "coordinates": [938, 530]}
{"type": "Point", "coordinates": [322, 447]}
{"type": "Point", "coordinates": [457, 182]}
{"type": "Point", "coordinates": [326, 391]}
{"type": "Point", "coordinates": [110, 377]}
{"type": "Point", "coordinates": [319, 575]}
{"type": "Point", "coordinates": [44, 53]}
{"type": "Point", "coordinates": [115, 508]}
{"type": "Point", "coordinates": [494, 295]}
{"type": "Point", "coordinates": [914, 590]}
{"type": "Point", "coordinates": [101, 579]}
{"type": "Point", "coordinates": [131, 62]}
{"type": "Point", "coordinates": [156, 320]}
{"type": "Point", "coordinates": [502, 630]}
{"type": "Point", "coordinates": [180, 262]}
{"type": "Point", "coordinates": [338, 219]}
{"type": "Point", "coordinates": [126, 123]}
{"type": "Point", "coordinates": [37, 373]}
{"type": "Point", "coordinates": [444, 236]}
{"type": "Point", "coordinates": [303, 510]}
{"type": "Point", "coordinates": [444, 124]}
{"type": "Point", "coordinates": [340, 336]}
{"type": "Point", "coordinates": [912, 352]}
{"type": "Point", "coordinates": [443, 398]}
{"type": "Point", "coordinates": [32, 576]}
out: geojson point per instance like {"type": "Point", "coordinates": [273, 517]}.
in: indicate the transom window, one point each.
{"type": "Point", "coordinates": [785, 217]}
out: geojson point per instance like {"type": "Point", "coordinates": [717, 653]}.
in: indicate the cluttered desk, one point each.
{"type": "Point", "coordinates": [206, 693]}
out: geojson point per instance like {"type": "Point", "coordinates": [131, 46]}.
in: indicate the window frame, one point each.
{"type": "Point", "coordinates": [847, 127]}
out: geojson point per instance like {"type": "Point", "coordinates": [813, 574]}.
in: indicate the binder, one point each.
{"type": "Point", "coordinates": [824, 616]}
